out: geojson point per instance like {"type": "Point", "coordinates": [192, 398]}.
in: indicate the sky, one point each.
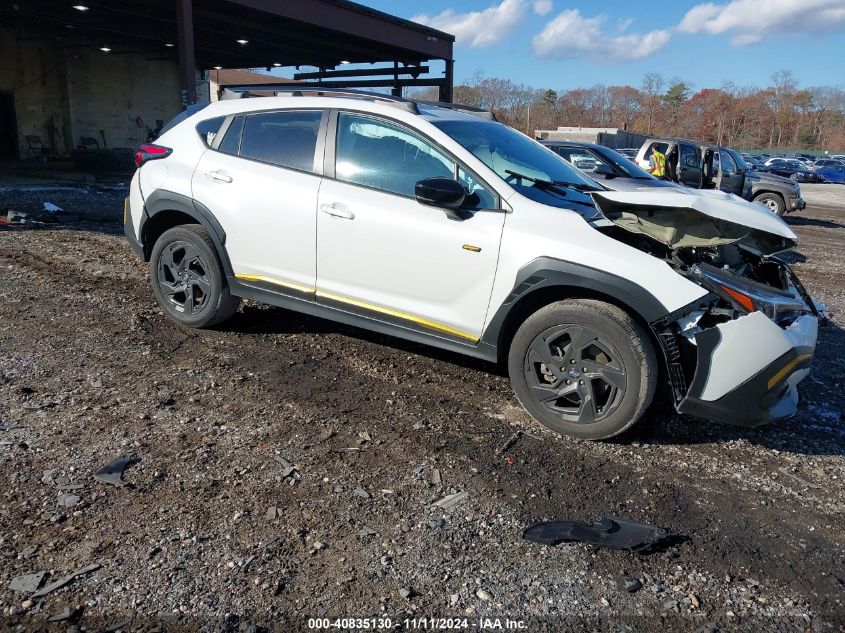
{"type": "Point", "coordinates": [564, 44]}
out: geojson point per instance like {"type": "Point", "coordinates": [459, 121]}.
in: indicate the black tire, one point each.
{"type": "Point", "coordinates": [601, 374]}
{"type": "Point", "coordinates": [188, 280]}
{"type": "Point", "coordinates": [774, 202]}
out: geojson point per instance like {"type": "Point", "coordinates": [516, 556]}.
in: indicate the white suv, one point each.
{"type": "Point", "coordinates": [437, 224]}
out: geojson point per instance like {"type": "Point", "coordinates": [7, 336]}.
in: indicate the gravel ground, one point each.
{"type": "Point", "coordinates": [285, 467]}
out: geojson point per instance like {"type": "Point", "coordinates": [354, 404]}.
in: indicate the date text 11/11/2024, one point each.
{"type": "Point", "coordinates": [420, 624]}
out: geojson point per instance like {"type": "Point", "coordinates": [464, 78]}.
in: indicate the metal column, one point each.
{"type": "Point", "coordinates": [448, 81]}
{"type": "Point", "coordinates": [187, 59]}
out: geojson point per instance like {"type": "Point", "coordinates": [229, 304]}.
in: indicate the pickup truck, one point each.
{"type": "Point", "coordinates": [715, 167]}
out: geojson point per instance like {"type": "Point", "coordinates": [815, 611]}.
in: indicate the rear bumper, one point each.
{"type": "Point", "coordinates": [129, 231]}
{"type": "Point", "coordinates": [748, 370]}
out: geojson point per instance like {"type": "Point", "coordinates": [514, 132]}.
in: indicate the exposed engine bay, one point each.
{"type": "Point", "coordinates": [728, 247]}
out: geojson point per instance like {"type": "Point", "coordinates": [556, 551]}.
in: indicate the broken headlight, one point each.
{"type": "Point", "coordinates": [749, 296]}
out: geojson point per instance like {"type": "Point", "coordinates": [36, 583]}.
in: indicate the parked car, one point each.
{"type": "Point", "coordinates": [832, 173]}
{"type": "Point", "coordinates": [713, 167]}
{"type": "Point", "coordinates": [628, 152]}
{"type": "Point", "coordinates": [610, 169]}
{"type": "Point", "coordinates": [439, 225]}
{"type": "Point", "coordinates": [753, 162]}
{"type": "Point", "coordinates": [584, 162]}
{"type": "Point", "coordinates": [792, 169]}
{"type": "Point", "coordinates": [827, 162]}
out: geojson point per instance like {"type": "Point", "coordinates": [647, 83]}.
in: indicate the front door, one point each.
{"type": "Point", "coordinates": [730, 178]}
{"type": "Point", "coordinates": [689, 165]}
{"type": "Point", "coordinates": [261, 184]}
{"type": "Point", "coordinates": [383, 254]}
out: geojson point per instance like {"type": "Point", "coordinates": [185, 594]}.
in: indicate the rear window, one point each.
{"type": "Point", "coordinates": [209, 128]}
{"type": "Point", "coordinates": [232, 140]}
{"type": "Point", "coordinates": [286, 139]}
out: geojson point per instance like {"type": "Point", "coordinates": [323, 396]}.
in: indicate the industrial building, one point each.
{"type": "Point", "coordinates": [93, 75]}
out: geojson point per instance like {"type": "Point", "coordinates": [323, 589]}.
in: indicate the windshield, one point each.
{"type": "Point", "coordinates": [534, 171]}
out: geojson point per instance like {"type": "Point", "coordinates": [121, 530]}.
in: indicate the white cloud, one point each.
{"type": "Point", "coordinates": [751, 21]}
{"type": "Point", "coordinates": [542, 7]}
{"type": "Point", "coordinates": [478, 28]}
{"type": "Point", "coordinates": [572, 35]}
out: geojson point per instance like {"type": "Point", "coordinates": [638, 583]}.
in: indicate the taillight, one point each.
{"type": "Point", "coordinates": [150, 152]}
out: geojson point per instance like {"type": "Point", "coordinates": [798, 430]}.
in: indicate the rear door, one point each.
{"type": "Point", "coordinates": [689, 165]}
{"type": "Point", "coordinates": [261, 181]}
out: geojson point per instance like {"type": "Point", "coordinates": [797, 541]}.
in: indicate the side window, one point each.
{"type": "Point", "coordinates": [232, 140]}
{"type": "Point", "coordinates": [728, 163]}
{"type": "Point", "coordinates": [689, 157]}
{"type": "Point", "coordinates": [660, 147]}
{"type": "Point", "coordinates": [286, 139]}
{"type": "Point", "coordinates": [478, 196]}
{"type": "Point", "coordinates": [208, 129]}
{"type": "Point", "coordinates": [386, 156]}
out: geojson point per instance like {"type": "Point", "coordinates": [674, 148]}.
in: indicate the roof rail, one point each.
{"type": "Point", "coordinates": [484, 114]}
{"type": "Point", "coordinates": [297, 90]}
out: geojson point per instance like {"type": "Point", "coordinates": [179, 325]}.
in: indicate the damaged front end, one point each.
{"type": "Point", "coordinates": [737, 354]}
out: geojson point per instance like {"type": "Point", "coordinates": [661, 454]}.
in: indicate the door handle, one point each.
{"type": "Point", "coordinates": [219, 176]}
{"type": "Point", "coordinates": [334, 210]}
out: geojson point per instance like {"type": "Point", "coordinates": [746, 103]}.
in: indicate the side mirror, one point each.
{"type": "Point", "coordinates": [440, 192]}
{"type": "Point", "coordinates": [603, 170]}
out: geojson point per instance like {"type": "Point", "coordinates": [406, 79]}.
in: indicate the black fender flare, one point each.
{"type": "Point", "coordinates": [162, 200]}
{"type": "Point", "coordinates": [548, 272]}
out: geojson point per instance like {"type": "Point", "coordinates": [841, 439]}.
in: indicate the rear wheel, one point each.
{"type": "Point", "coordinates": [188, 280]}
{"type": "Point", "coordinates": [773, 202]}
{"type": "Point", "coordinates": [583, 368]}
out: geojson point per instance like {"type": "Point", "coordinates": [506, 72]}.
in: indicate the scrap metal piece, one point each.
{"type": "Point", "coordinates": [68, 613]}
{"type": "Point", "coordinates": [510, 442]}
{"type": "Point", "coordinates": [451, 501]}
{"type": "Point", "coordinates": [112, 473]}
{"type": "Point", "coordinates": [66, 580]}
{"type": "Point", "coordinates": [288, 469]}
{"type": "Point", "coordinates": [27, 582]}
{"type": "Point", "coordinates": [611, 532]}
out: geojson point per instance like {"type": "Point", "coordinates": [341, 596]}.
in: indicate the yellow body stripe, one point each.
{"type": "Point", "coordinates": [396, 313]}
{"type": "Point", "coordinates": [361, 304]}
{"type": "Point", "coordinates": [277, 282]}
{"type": "Point", "coordinates": [786, 369]}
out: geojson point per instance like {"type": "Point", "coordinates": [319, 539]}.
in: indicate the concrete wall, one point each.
{"type": "Point", "coordinates": [35, 72]}
{"type": "Point", "coordinates": [108, 92]}
{"type": "Point", "coordinates": [62, 95]}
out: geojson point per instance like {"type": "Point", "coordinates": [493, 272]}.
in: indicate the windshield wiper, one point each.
{"type": "Point", "coordinates": [557, 185]}
{"type": "Point", "coordinates": [539, 182]}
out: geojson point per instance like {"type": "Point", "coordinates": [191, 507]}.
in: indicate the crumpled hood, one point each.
{"type": "Point", "coordinates": [696, 218]}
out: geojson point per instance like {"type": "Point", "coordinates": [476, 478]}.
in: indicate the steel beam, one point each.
{"type": "Point", "coordinates": [187, 56]}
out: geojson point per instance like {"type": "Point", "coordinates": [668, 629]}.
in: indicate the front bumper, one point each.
{"type": "Point", "coordinates": [748, 370]}
{"type": "Point", "coordinates": [795, 203]}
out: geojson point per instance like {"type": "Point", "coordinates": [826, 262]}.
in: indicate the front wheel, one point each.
{"type": "Point", "coordinates": [773, 202]}
{"type": "Point", "coordinates": [583, 368]}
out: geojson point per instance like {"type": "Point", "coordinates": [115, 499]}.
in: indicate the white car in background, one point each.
{"type": "Point", "coordinates": [437, 224]}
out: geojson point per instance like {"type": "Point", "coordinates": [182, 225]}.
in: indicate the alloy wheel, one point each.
{"type": "Point", "coordinates": [183, 277]}
{"type": "Point", "coordinates": [771, 205]}
{"type": "Point", "coordinates": [572, 371]}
